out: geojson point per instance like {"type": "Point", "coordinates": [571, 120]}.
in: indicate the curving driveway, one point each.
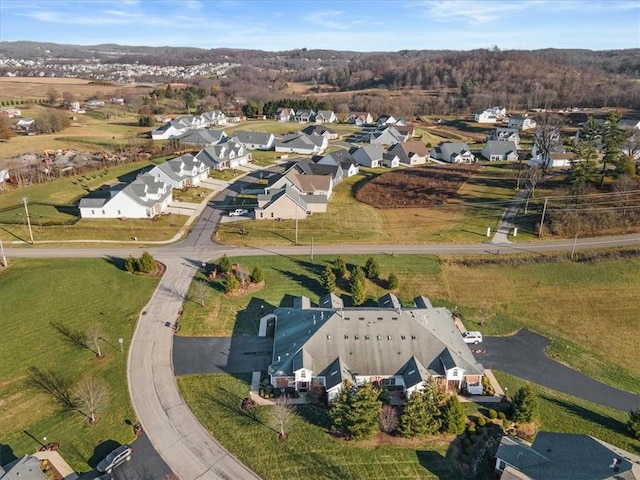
{"type": "Point", "coordinates": [523, 355]}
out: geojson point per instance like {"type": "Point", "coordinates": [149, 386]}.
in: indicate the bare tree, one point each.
{"type": "Point", "coordinates": [389, 419]}
{"type": "Point", "coordinates": [519, 172]}
{"type": "Point", "coordinates": [534, 176]}
{"type": "Point", "coordinates": [52, 96]}
{"type": "Point", "coordinates": [200, 291]}
{"type": "Point", "coordinates": [68, 98]}
{"type": "Point", "coordinates": [95, 336]}
{"type": "Point", "coordinates": [281, 416]}
{"type": "Point", "coordinates": [547, 136]}
{"type": "Point", "coordinates": [91, 396]}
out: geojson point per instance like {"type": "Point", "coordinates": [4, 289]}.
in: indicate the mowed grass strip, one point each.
{"type": "Point", "coordinates": [74, 293]}
{"type": "Point", "coordinates": [309, 451]}
{"type": "Point", "coordinates": [589, 310]}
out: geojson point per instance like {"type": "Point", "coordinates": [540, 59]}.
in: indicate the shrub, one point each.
{"type": "Point", "coordinates": [493, 414]}
{"type": "Point", "coordinates": [146, 263]}
{"type": "Point", "coordinates": [502, 415]}
{"type": "Point", "coordinates": [466, 443]}
{"type": "Point", "coordinates": [471, 430]}
{"type": "Point", "coordinates": [257, 275]}
{"type": "Point", "coordinates": [473, 437]}
{"type": "Point", "coordinates": [224, 264]}
{"type": "Point", "coordinates": [525, 405]}
{"type": "Point", "coordinates": [340, 267]}
{"type": "Point", "coordinates": [231, 284]}
{"type": "Point", "coordinates": [481, 421]}
{"type": "Point", "coordinates": [392, 283]}
{"type": "Point", "coordinates": [130, 264]}
{"type": "Point", "coordinates": [371, 269]}
{"type": "Point", "coordinates": [633, 425]}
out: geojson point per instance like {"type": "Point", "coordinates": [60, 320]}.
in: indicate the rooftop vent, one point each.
{"type": "Point", "coordinates": [413, 337]}
{"type": "Point", "coordinates": [328, 337]}
{"type": "Point", "coordinates": [357, 337]}
{"type": "Point", "coordinates": [379, 337]}
{"type": "Point", "coordinates": [366, 337]}
{"type": "Point", "coordinates": [346, 337]}
{"type": "Point", "coordinates": [403, 337]}
{"type": "Point", "coordinates": [389, 337]}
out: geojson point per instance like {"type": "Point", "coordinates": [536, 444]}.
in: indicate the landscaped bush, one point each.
{"type": "Point", "coordinates": [493, 414]}
{"type": "Point", "coordinates": [633, 425]}
{"type": "Point", "coordinates": [224, 265]}
{"type": "Point", "coordinates": [481, 421]}
{"type": "Point", "coordinates": [471, 429]}
{"type": "Point", "coordinates": [502, 415]}
{"type": "Point", "coordinates": [257, 275]}
{"type": "Point", "coordinates": [146, 263]}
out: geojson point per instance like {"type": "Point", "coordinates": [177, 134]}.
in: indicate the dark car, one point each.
{"type": "Point", "coordinates": [106, 476]}
{"type": "Point", "coordinates": [117, 457]}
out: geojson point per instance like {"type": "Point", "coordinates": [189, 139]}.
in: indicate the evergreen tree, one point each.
{"type": "Point", "coordinates": [130, 264]}
{"type": "Point", "coordinates": [328, 279]}
{"type": "Point", "coordinates": [392, 283]}
{"type": "Point", "coordinates": [583, 168]}
{"type": "Point", "coordinates": [257, 275]}
{"type": "Point", "coordinates": [612, 142]}
{"type": "Point", "coordinates": [525, 405]}
{"type": "Point", "coordinates": [340, 267]}
{"type": "Point", "coordinates": [453, 417]}
{"type": "Point", "coordinates": [340, 408]}
{"type": "Point", "coordinates": [146, 263]}
{"type": "Point", "coordinates": [224, 264]}
{"type": "Point", "coordinates": [364, 411]}
{"type": "Point", "coordinates": [414, 418]}
{"type": "Point", "coordinates": [357, 286]}
{"type": "Point", "coordinates": [372, 269]}
{"type": "Point", "coordinates": [633, 424]}
{"type": "Point", "coordinates": [231, 284]}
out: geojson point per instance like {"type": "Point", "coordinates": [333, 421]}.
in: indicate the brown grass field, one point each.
{"type": "Point", "coordinates": [417, 187]}
{"type": "Point", "coordinates": [35, 88]}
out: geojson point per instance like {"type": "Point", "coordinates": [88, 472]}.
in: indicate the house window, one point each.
{"type": "Point", "coordinates": [119, 212]}
{"type": "Point", "coordinates": [303, 374]}
{"type": "Point", "coordinates": [271, 214]}
{"type": "Point", "coordinates": [93, 212]}
{"type": "Point", "coordinates": [501, 465]}
{"type": "Point", "coordinates": [103, 212]}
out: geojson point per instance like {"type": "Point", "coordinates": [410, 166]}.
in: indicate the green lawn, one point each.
{"type": "Point", "coordinates": [76, 294]}
{"type": "Point", "coordinates": [309, 451]}
{"type": "Point", "coordinates": [584, 307]}
{"type": "Point", "coordinates": [478, 204]}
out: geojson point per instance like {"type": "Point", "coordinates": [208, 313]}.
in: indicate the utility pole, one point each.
{"type": "Point", "coordinates": [4, 259]}
{"type": "Point", "coordinates": [296, 224]}
{"type": "Point", "coordinates": [575, 240]}
{"type": "Point", "coordinates": [544, 210]}
{"type": "Point", "coordinates": [26, 209]}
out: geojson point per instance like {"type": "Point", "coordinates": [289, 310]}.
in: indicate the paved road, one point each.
{"type": "Point", "coordinates": [237, 354]}
{"type": "Point", "coordinates": [523, 355]}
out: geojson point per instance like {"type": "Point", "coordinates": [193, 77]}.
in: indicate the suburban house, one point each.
{"type": "Point", "coordinates": [287, 203]}
{"type": "Point", "coordinates": [360, 119]}
{"type": "Point", "coordinates": [230, 154]}
{"type": "Point", "coordinates": [499, 150]}
{"type": "Point", "coordinates": [25, 124]}
{"type": "Point", "coordinates": [308, 166]}
{"type": "Point", "coordinates": [304, 184]}
{"type": "Point", "coordinates": [180, 125]}
{"type": "Point", "coordinates": [326, 116]}
{"type": "Point", "coordinates": [145, 197]}
{"type": "Point", "coordinates": [491, 115]}
{"type": "Point", "coordinates": [27, 468]}
{"type": "Point", "coordinates": [94, 103]}
{"type": "Point", "coordinates": [321, 130]}
{"type": "Point", "coordinates": [284, 114]}
{"type": "Point", "coordinates": [554, 160]}
{"type": "Point", "coordinates": [521, 122]}
{"type": "Point", "coordinates": [505, 135]}
{"type": "Point", "coordinates": [374, 156]}
{"type": "Point", "coordinates": [564, 456]}
{"type": "Point", "coordinates": [10, 112]}
{"type": "Point", "coordinates": [304, 116]}
{"type": "Point", "coordinates": [407, 130]}
{"type": "Point", "coordinates": [410, 153]}
{"type": "Point", "coordinates": [302, 143]}
{"type": "Point", "coordinates": [203, 137]}
{"type": "Point", "coordinates": [387, 136]}
{"type": "Point", "coordinates": [396, 347]}
{"type": "Point", "coordinates": [452, 152]}
{"type": "Point", "coordinates": [180, 172]}
{"type": "Point", "coordinates": [255, 140]}
{"type": "Point", "coordinates": [386, 120]}
{"type": "Point", "coordinates": [342, 158]}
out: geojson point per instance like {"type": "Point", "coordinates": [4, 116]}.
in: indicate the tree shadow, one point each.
{"type": "Point", "coordinates": [248, 320]}
{"type": "Point", "coordinates": [75, 338]}
{"type": "Point", "coordinates": [117, 262]}
{"type": "Point", "coordinates": [101, 451]}
{"type": "Point", "coordinates": [14, 235]}
{"type": "Point", "coordinates": [314, 415]}
{"type": "Point", "coordinates": [304, 281]}
{"type": "Point", "coordinates": [436, 464]}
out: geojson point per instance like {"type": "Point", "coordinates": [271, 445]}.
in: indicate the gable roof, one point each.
{"type": "Point", "coordinates": [215, 154]}
{"type": "Point", "coordinates": [369, 339]}
{"type": "Point", "coordinates": [499, 147]}
{"type": "Point", "coordinates": [449, 150]}
{"type": "Point", "coordinates": [318, 130]}
{"type": "Point", "coordinates": [564, 456]}
{"type": "Point", "coordinates": [407, 150]}
{"type": "Point", "coordinates": [203, 137]}
{"type": "Point", "coordinates": [252, 138]}
{"type": "Point", "coordinates": [145, 188]}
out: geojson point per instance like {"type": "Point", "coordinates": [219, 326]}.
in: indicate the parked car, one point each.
{"type": "Point", "coordinates": [238, 212]}
{"type": "Point", "coordinates": [472, 337]}
{"type": "Point", "coordinates": [106, 476]}
{"type": "Point", "coordinates": [117, 457]}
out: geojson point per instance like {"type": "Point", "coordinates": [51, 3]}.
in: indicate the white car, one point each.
{"type": "Point", "coordinates": [238, 212]}
{"type": "Point", "coordinates": [472, 337]}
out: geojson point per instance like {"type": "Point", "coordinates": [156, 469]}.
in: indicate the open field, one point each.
{"type": "Point", "coordinates": [310, 452]}
{"type": "Point", "coordinates": [590, 310]}
{"type": "Point", "coordinates": [478, 204]}
{"type": "Point", "coordinates": [88, 132]}
{"type": "Point", "coordinates": [75, 294]}
{"type": "Point", "coordinates": [35, 88]}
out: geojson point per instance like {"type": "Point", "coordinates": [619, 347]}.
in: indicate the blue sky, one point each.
{"type": "Point", "coordinates": [361, 25]}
